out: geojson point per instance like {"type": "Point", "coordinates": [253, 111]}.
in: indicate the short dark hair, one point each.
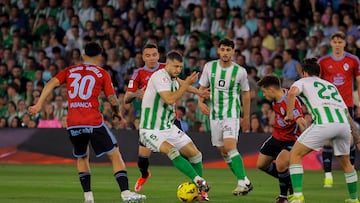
{"type": "Point", "coordinates": [150, 46]}
{"type": "Point", "coordinates": [311, 66]}
{"type": "Point", "coordinates": [338, 34]}
{"type": "Point", "coordinates": [270, 81]}
{"type": "Point", "coordinates": [226, 42]}
{"type": "Point", "coordinates": [174, 55]}
{"type": "Point", "coordinates": [92, 49]}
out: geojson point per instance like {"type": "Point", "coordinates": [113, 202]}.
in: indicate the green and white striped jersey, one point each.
{"type": "Point", "coordinates": [155, 113]}
{"type": "Point", "coordinates": [323, 100]}
{"type": "Point", "coordinates": [225, 85]}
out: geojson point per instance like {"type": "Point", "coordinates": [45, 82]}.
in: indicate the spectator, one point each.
{"type": "Point", "coordinates": [180, 113]}
{"type": "Point", "coordinates": [3, 122]}
{"type": "Point", "coordinates": [292, 68]}
{"type": "Point", "coordinates": [48, 119]}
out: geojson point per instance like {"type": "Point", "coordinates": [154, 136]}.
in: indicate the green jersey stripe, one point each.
{"type": "Point", "coordinates": [163, 116]}
{"type": "Point", "coordinates": [212, 81]}
{"type": "Point", "coordinates": [146, 115]}
{"type": "Point", "coordinates": [318, 117]}
{"type": "Point", "coordinates": [231, 90]}
{"type": "Point", "coordinates": [339, 116]}
{"type": "Point", "coordinates": [328, 114]}
{"type": "Point", "coordinates": [155, 110]}
{"type": "Point", "coordinates": [221, 96]}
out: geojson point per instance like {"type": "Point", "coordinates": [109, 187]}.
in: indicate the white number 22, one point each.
{"type": "Point", "coordinates": [79, 86]}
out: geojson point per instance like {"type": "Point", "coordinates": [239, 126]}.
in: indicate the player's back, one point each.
{"type": "Point", "coordinates": [323, 100]}
{"type": "Point", "coordinates": [84, 83]}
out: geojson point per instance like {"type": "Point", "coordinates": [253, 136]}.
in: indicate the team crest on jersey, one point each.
{"type": "Point", "coordinates": [222, 83]}
{"type": "Point", "coordinates": [164, 80]}
{"type": "Point", "coordinates": [346, 67]}
{"type": "Point", "coordinates": [282, 110]}
{"type": "Point", "coordinates": [131, 84]}
{"type": "Point", "coordinates": [330, 67]}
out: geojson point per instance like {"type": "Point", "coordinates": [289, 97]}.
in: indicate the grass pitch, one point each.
{"type": "Point", "coordinates": [59, 184]}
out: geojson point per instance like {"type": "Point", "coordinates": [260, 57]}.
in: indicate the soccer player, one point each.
{"type": "Point", "coordinates": [84, 83]}
{"type": "Point", "coordinates": [157, 129]}
{"type": "Point", "coordinates": [331, 122]}
{"type": "Point", "coordinates": [135, 90]}
{"type": "Point", "coordinates": [341, 69]}
{"type": "Point", "coordinates": [227, 81]}
{"type": "Point", "coordinates": [277, 147]}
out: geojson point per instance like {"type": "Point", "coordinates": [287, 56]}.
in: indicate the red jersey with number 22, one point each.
{"type": "Point", "coordinates": [141, 76]}
{"type": "Point", "coordinates": [283, 131]}
{"type": "Point", "coordinates": [84, 83]}
{"type": "Point", "coordinates": [341, 73]}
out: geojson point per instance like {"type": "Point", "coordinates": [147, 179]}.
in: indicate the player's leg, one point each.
{"type": "Point", "coordinates": [143, 165]}
{"type": "Point", "coordinates": [327, 155]}
{"type": "Point", "coordinates": [296, 170]}
{"type": "Point", "coordinates": [350, 177]}
{"type": "Point", "coordinates": [341, 151]}
{"type": "Point", "coordinates": [81, 152]}
{"type": "Point", "coordinates": [104, 142]}
{"type": "Point", "coordinates": [282, 164]}
{"type": "Point", "coordinates": [268, 152]}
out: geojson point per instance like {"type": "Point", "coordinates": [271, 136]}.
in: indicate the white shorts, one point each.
{"type": "Point", "coordinates": [154, 138]}
{"type": "Point", "coordinates": [339, 135]}
{"type": "Point", "coordinates": [221, 129]}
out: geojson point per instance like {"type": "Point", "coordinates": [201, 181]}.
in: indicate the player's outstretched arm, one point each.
{"type": "Point", "coordinates": [202, 106]}
{"type": "Point", "coordinates": [302, 124]}
{"type": "Point", "coordinates": [130, 96]}
{"type": "Point", "coordinates": [54, 82]}
{"type": "Point", "coordinates": [205, 93]}
{"type": "Point", "coordinates": [245, 123]}
{"type": "Point", "coordinates": [290, 104]}
{"type": "Point", "coordinates": [114, 103]}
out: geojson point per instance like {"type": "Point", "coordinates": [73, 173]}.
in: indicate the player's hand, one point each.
{"type": "Point", "coordinates": [204, 108]}
{"type": "Point", "coordinates": [34, 109]}
{"type": "Point", "coordinates": [288, 118]}
{"type": "Point", "coordinates": [245, 125]}
{"type": "Point", "coordinates": [140, 93]}
{"type": "Point", "coordinates": [192, 78]}
{"type": "Point", "coordinates": [204, 93]}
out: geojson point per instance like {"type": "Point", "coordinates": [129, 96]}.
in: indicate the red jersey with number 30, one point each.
{"type": "Point", "coordinates": [341, 73]}
{"type": "Point", "coordinates": [283, 131]}
{"type": "Point", "coordinates": [141, 76]}
{"type": "Point", "coordinates": [84, 83]}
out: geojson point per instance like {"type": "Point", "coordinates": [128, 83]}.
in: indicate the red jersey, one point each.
{"type": "Point", "coordinates": [84, 83]}
{"type": "Point", "coordinates": [141, 77]}
{"type": "Point", "coordinates": [341, 73]}
{"type": "Point", "coordinates": [283, 131]}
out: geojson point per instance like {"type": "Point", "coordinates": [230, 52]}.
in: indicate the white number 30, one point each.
{"type": "Point", "coordinates": [80, 85]}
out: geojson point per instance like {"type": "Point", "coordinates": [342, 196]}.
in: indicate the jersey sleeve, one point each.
{"type": "Point", "coordinates": [108, 86]}
{"type": "Point", "coordinates": [204, 78]}
{"type": "Point", "coordinates": [134, 81]}
{"type": "Point", "coordinates": [61, 76]}
{"type": "Point", "coordinates": [298, 113]}
{"type": "Point", "coordinates": [357, 67]}
{"type": "Point", "coordinates": [161, 82]}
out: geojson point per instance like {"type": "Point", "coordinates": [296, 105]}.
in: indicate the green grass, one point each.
{"type": "Point", "coordinates": [59, 183]}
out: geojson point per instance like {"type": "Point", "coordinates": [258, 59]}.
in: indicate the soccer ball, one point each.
{"type": "Point", "coordinates": [187, 192]}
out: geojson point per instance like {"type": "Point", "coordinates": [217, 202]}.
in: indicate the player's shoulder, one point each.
{"type": "Point", "coordinates": [351, 56]}
{"type": "Point", "coordinates": [324, 58]}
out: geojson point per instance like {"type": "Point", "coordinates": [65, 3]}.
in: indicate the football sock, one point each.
{"type": "Point", "coordinates": [351, 181]}
{"type": "Point", "coordinates": [352, 154]}
{"type": "Point", "coordinates": [85, 180]}
{"type": "Point", "coordinates": [196, 163]}
{"type": "Point", "coordinates": [122, 180]}
{"type": "Point", "coordinates": [284, 182]}
{"type": "Point", "coordinates": [143, 165]}
{"type": "Point", "coordinates": [327, 158]}
{"type": "Point", "coordinates": [296, 173]}
{"type": "Point", "coordinates": [182, 164]}
{"type": "Point", "coordinates": [228, 161]}
{"type": "Point", "coordinates": [237, 164]}
{"type": "Point", "coordinates": [272, 170]}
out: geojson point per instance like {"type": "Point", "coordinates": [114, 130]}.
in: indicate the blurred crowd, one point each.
{"type": "Point", "coordinates": [40, 37]}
